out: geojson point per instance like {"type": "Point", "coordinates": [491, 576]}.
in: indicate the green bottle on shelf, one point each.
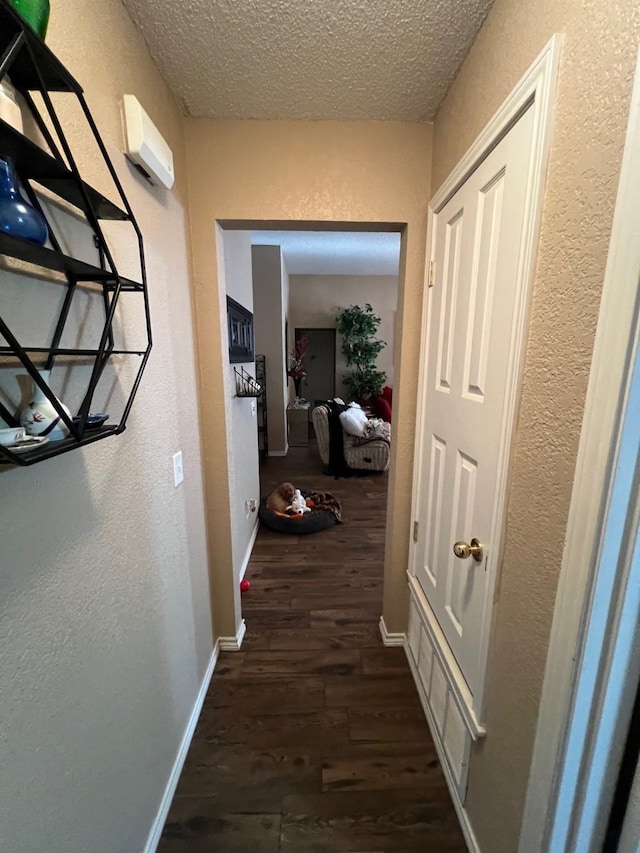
{"type": "Point", "coordinates": [35, 13]}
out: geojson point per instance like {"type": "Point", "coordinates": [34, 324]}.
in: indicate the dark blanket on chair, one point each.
{"type": "Point", "coordinates": [337, 466]}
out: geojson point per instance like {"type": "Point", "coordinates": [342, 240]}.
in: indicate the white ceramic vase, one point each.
{"type": "Point", "coordinates": [40, 417]}
{"type": "Point", "coordinates": [9, 108]}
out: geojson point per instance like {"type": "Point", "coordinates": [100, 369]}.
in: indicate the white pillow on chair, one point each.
{"type": "Point", "coordinates": [353, 420]}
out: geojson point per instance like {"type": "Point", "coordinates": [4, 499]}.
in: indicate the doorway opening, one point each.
{"type": "Point", "coordinates": [293, 279]}
{"type": "Point", "coordinates": [301, 279]}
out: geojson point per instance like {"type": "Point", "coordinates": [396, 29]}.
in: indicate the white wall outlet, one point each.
{"type": "Point", "coordinates": [178, 468]}
{"type": "Point", "coordinates": [253, 408]}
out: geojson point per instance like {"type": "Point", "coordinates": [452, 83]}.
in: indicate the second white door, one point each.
{"type": "Point", "coordinates": [473, 322]}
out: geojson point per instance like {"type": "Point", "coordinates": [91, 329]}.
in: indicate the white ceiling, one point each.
{"type": "Point", "coordinates": [380, 60]}
{"type": "Point", "coordinates": [334, 252]}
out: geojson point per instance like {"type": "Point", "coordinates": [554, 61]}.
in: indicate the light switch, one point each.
{"type": "Point", "coordinates": [178, 469]}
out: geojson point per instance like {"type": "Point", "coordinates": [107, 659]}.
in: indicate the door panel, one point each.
{"type": "Point", "coordinates": [434, 506]}
{"type": "Point", "coordinates": [459, 585]}
{"type": "Point", "coordinates": [451, 276]}
{"type": "Point", "coordinates": [476, 239]}
{"type": "Point", "coordinates": [481, 293]}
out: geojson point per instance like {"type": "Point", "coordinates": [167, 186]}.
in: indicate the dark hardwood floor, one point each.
{"type": "Point", "coordinates": [312, 738]}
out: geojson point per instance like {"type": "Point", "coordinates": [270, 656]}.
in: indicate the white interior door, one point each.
{"type": "Point", "coordinates": [474, 319]}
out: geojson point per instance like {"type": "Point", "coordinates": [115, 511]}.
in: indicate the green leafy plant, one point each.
{"type": "Point", "coordinates": [357, 327]}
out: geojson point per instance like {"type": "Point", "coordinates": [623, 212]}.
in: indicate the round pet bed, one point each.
{"type": "Point", "coordinates": [310, 522]}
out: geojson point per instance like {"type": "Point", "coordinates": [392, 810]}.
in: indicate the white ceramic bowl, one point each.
{"type": "Point", "coordinates": [12, 435]}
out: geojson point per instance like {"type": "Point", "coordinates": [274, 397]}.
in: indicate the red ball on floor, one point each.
{"type": "Point", "coordinates": [245, 585]}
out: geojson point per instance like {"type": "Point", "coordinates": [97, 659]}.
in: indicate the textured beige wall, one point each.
{"type": "Point", "coordinates": [269, 277]}
{"type": "Point", "coordinates": [315, 299]}
{"type": "Point", "coordinates": [598, 58]}
{"type": "Point", "coordinates": [105, 621]}
{"type": "Point", "coordinates": [347, 172]}
{"type": "Point", "coordinates": [242, 434]}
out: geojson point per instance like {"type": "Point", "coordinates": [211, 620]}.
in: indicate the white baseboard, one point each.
{"type": "Point", "coordinates": [278, 452]}
{"type": "Point", "coordinates": [165, 803]}
{"type": "Point", "coordinates": [232, 644]}
{"type": "Point", "coordinates": [463, 817]}
{"type": "Point", "coordinates": [247, 556]}
{"type": "Point", "coordinates": [389, 638]}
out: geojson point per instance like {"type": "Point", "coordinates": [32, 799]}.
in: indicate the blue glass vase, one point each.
{"type": "Point", "coordinates": [16, 216]}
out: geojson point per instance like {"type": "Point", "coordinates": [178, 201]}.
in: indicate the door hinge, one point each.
{"type": "Point", "coordinates": [416, 526]}
{"type": "Point", "coordinates": [432, 273]}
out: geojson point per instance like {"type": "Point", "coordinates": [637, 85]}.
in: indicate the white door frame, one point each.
{"type": "Point", "coordinates": [535, 91]}
{"type": "Point", "coordinates": [592, 663]}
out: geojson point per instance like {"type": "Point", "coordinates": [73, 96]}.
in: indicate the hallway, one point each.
{"type": "Point", "coordinates": [312, 738]}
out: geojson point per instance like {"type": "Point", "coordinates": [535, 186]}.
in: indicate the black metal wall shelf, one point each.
{"type": "Point", "coordinates": [56, 448]}
{"type": "Point", "coordinates": [34, 62]}
{"type": "Point", "coordinates": [34, 68]}
{"type": "Point", "coordinates": [246, 385]}
{"type": "Point", "coordinates": [35, 164]}
{"type": "Point", "coordinates": [49, 259]}
{"type": "Point", "coordinates": [68, 351]}
{"type": "Point", "coordinates": [263, 433]}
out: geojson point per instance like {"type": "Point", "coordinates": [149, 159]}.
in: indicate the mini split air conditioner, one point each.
{"type": "Point", "coordinates": [144, 144]}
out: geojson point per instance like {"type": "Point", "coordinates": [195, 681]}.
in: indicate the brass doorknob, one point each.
{"type": "Point", "coordinates": [464, 551]}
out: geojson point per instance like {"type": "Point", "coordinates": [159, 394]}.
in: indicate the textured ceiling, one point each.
{"type": "Point", "coordinates": [334, 252]}
{"type": "Point", "coordinates": [382, 60]}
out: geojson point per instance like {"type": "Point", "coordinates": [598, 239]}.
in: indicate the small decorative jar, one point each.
{"type": "Point", "coordinates": [35, 13]}
{"type": "Point", "coordinates": [9, 109]}
{"type": "Point", "coordinates": [18, 218]}
{"type": "Point", "coordinates": [41, 418]}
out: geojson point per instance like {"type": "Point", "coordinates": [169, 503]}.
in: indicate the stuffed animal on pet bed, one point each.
{"type": "Point", "coordinates": [298, 504]}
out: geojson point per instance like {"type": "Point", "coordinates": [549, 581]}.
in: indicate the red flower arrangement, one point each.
{"type": "Point", "coordinates": [296, 362]}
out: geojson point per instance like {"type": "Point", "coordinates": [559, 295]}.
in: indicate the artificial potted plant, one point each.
{"type": "Point", "coordinates": [357, 326]}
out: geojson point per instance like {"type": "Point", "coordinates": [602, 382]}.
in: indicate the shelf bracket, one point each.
{"type": "Point", "coordinates": [10, 54]}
